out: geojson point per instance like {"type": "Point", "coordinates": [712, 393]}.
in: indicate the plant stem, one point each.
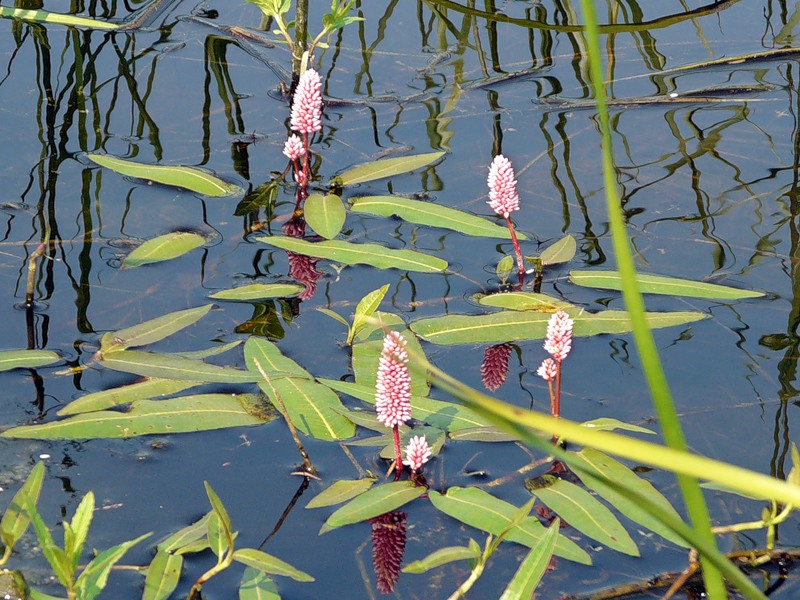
{"type": "Point", "coordinates": [555, 402]}
{"type": "Point", "coordinates": [32, 272]}
{"type": "Point", "coordinates": [462, 590]}
{"type": "Point", "coordinates": [520, 262]}
{"type": "Point", "coordinates": [398, 457]}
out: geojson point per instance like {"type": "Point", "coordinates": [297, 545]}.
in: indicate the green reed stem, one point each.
{"type": "Point", "coordinates": [645, 344]}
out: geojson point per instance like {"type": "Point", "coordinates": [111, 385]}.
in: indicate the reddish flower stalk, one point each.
{"type": "Point", "coordinates": [307, 111]}
{"type": "Point", "coordinates": [494, 368]}
{"type": "Point", "coordinates": [393, 390]}
{"type": "Point", "coordinates": [558, 343]}
{"type": "Point", "coordinates": [503, 199]}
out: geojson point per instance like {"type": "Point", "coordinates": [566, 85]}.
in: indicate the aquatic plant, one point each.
{"type": "Point", "coordinates": [393, 390]}
{"type": "Point", "coordinates": [503, 199]}
{"type": "Point", "coordinates": [558, 343]}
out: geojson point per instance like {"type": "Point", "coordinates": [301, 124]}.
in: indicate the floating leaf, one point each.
{"type": "Point", "coordinates": [258, 291]}
{"type": "Point", "coordinates": [440, 557]}
{"type": "Point", "coordinates": [525, 301]}
{"type": "Point", "coordinates": [153, 330]}
{"type": "Point", "coordinates": [167, 366]}
{"type": "Point", "coordinates": [325, 214]}
{"type": "Point", "coordinates": [595, 468]}
{"type": "Point", "coordinates": [657, 284]}
{"type": "Point", "coordinates": [483, 511]}
{"type": "Point", "coordinates": [375, 502]}
{"type": "Point", "coordinates": [164, 247]}
{"type": "Point", "coordinates": [583, 512]}
{"type": "Point", "coordinates": [57, 18]}
{"type": "Point", "coordinates": [433, 215]}
{"type": "Point", "coordinates": [163, 574]}
{"type": "Point", "coordinates": [208, 352]}
{"type": "Point", "coordinates": [509, 326]}
{"type": "Point", "coordinates": [15, 519]}
{"type": "Point", "coordinates": [533, 567]}
{"type": "Point", "coordinates": [257, 585]}
{"type": "Point", "coordinates": [360, 254]}
{"type": "Point", "coordinates": [145, 390]}
{"type": "Point", "coordinates": [341, 491]}
{"type": "Point", "coordinates": [269, 564]}
{"type": "Point", "coordinates": [26, 359]}
{"type": "Point", "coordinates": [387, 167]}
{"type": "Point", "coordinates": [560, 252]}
{"type": "Point", "coordinates": [608, 424]}
{"type": "Point", "coordinates": [202, 412]}
{"type": "Point", "coordinates": [312, 407]}
{"type": "Point", "coordinates": [190, 178]}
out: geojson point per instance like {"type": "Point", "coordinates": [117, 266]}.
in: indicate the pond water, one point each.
{"type": "Point", "coordinates": [710, 191]}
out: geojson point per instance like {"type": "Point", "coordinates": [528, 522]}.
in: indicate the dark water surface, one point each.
{"type": "Point", "coordinates": [710, 191]}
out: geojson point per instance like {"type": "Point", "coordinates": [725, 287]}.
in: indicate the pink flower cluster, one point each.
{"type": "Point", "coordinates": [417, 453]}
{"type": "Point", "coordinates": [293, 149]}
{"type": "Point", "coordinates": [559, 336]}
{"type": "Point", "coordinates": [548, 370]}
{"type": "Point", "coordinates": [393, 386]}
{"type": "Point", "coordinates": [307, 104]}
{"type": "Point", "coordinates": [503, 197]}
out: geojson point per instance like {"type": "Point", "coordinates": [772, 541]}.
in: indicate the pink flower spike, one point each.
{"type": "Point", "coordinates": [293, 148]}
{"type": "Point", "coordinates": [503, 197]}
{"type": "Point", "coordinates": [307, 104]}
{"type": "Point", "coordinates": [548, 370]}
{"type": "Point", "coordinates": [559, 336]}
{"type": "Point", "coordinates": [393, 385]}
{"type": "Point", "coordinates": [417, 453]}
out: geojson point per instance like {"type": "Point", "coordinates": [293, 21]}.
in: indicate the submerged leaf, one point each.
{"type": "Point", "coordinates": [428, 213]}
{"type": "Point", "coordinates": [387, 167]}
{"type": "Point", "coordinates": [360, 254]}
{"type": "Point", "coordinates": [164, 247]}
{"type": "Point", "coordinates": [325, 214]}
{"type": "Point", "coordinates": [189, 178]}
{"type": "Point", "coordinates": [658, 284]}
{"type": "Point", "coordinates": [146, 417]}
{"type": "Point", "coordinates": [26, 359]}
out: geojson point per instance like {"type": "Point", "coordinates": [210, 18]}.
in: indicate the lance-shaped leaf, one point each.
{"type": "Point", "coordinates": [169, 366]}
{"type": "Point", "coordinates": [533, 567]}
{"type": "Point", "coordinates": [365, 309]}
{"type": "Point", "coordinates": [483, 511]}
{"type": "Point", "coordinates": [15, 519]}
{"type": "Point", "coordinates": [163, 574]}
{"type": "Point", "coordinates": [258, 291]}
{"type": "Point", "coordinates": [609, 424]}
{"type": "Point", "coordinates": [164, 247]}
{"type": "Point", "coordinates": [325, 214]}
{"type": "Point", "coordinates": [375, 502]}
{"type": "Point", "coordinates": [153, 330]}
{"type": "Point", "coordinates": [43, 16]}
{"type": "Point", "coordinates": [269, 564]}
{"type": "Point", "coordinates": [583, 512]}
{"type": "Point", "coordinates": [145, 417]}
{"type": "Point", "coordinates": [509, 326]}
{"type": "Point", "coordinates": [525, 301]}
{"type": "Point", "coordinates": [341, 491]}
{"type": "Point", "coordinates": [144, 390]}
{"type": "Point", "coordinates": [360, 254]}
{"type": "Point", "coordinates": [430, 214]}
{"type": "Point", "coordinates": [658, 284]}
{"type": "Point", "coordinates": [94, 577]}
{"type": "Point", "coordinates": [208, 352]}
{"type": "Point", "coordinates": [387, 167]}
{"type": "Point", "coordinates": [560, 252]}
{"type": "Point", "coordinates": [26, 359]}
{"type": "Point", "coordinates": [312, 407]}
{"type": "Point", "coordinates": [257, 585]}
{"type": "Point", "coordinates": [190, 178]}
{"type": "Point", "coordinates": [440, 557]}
{"type": "Point", "coordinates": [185, 537]}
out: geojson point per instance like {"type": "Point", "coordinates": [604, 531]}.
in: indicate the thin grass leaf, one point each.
{"type": "Point", "coordinates": [43, 16]}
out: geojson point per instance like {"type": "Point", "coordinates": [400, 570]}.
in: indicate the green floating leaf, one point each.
{"type": "Point", "coordinates": [560, 252]}
{"type": "Point", "coordinates": [94, 576]}
{"type": "Point", "coordinates": [144, 390]}
{"type": "Point", "coordinates": [387, 167]}
{"type": "Point", "coordinates": [508, 326]}
{"type": "Point", "coordinates": [483, 511]}
{"type": "Point", "coordinates": [360, 254]}
{"type": "Point", "coordinates": [341, 491]}
{"type": "Point", "coordinates": [375, 502]}
{"type": "Point", "coordinates": [164, 247]}
{"type": "Point", "coordinates": [26, 359]}
{"type": "Point", "coordinates": [608, 424]}
{"type": "Point", "coordinates": [15, 519]}
{"type": "Point", "coordinates": [163, 575]}
{"type": "Point", "coordinates": [525, 301]}
{"type": "Point", "coordinates": [257, 585]}
{"type": "Point", "coordinates": [444, 415]}
{"type": "Point", "coordinates": [190, 178]}
{"type": "Point", "coordinates": [533, 567]}
{"type": "Point", "coordinates": [57, 18]}
{"type": "Point", "coordinates": [202, 412]}
{"type": "Point", "coordinates": [657, 284]}
{"type": "Point", "coordinates": [269, 564]}
{"type": "Point", "coordinates": [440, 557]}
{"type": "Point", "coordinates": [325, 214]}
{"type": "Point", "coordinates": [595, 468]}
{"type": "Point", "coordinates": [433, 215]}
{"type": "Point", "coordinates": [312, 407]}
{"type": "Point", "coordinates": [583, 512]}
{"type": "Point", "coordinates": [167, 366]}
{"type": "Point", "coordinates": [153, 330]}
{"type": "Point", "coordinates": [258, 291]}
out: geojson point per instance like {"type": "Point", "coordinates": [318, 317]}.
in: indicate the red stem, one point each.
{"type": "Point", "coordinates": [398, 458]}
{"type": "Point", "coordinates": [556, 407]}
{"type": "Point", "coordinates": [520, 262]}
